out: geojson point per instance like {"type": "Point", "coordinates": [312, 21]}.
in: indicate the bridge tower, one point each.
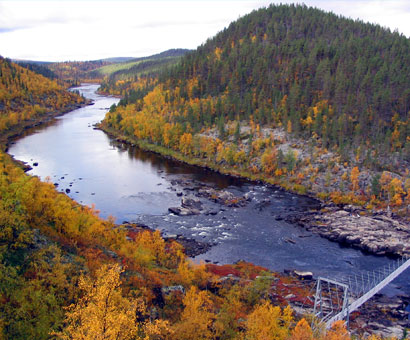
{"type": "Point", "coordinates": [336, 299]}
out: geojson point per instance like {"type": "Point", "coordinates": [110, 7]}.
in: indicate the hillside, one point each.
{"type": "Point", "coordinates": [118, 59]}
{"type": "Point", "coordinates": [128, 66]}
{"type": "Point", "coordinates": [26, 96]}
{"type": "Point", "coordinates": [37, 67]}
{"type": "Point", "coordinates": [119, 77]}
{"type": "Point", "coordinates": [290, 94]}
{"type": "Point", "coordinates": [76, 72]}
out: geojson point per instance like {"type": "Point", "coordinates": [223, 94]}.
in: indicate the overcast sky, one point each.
{"type": "Point", "coordinates": [86, 30]}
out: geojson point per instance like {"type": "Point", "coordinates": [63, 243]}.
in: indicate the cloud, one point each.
{"type": "Point", "coordinates": [85, 30]}
{"type": "Point", "coordinates": [91, 29]}
{"type": "Point", "coordinates": [180, 23]}
{"type": "Point", "coordinates": [393, 14]}
{"type": "Point", "coordinates": [10, 29]}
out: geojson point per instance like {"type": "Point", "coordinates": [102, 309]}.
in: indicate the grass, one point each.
{"type": "Point", "coordinates": [107, 70]}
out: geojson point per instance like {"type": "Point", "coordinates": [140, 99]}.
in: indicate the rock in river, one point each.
{"type": "Point", "coordinates": [304, 275]}
{"type": "Point", "coordinates": [191, 203]}
{"type": "Point", "coordinates": [181, 211]}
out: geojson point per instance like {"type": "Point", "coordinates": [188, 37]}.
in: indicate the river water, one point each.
{"type": "Point", "coordinates": [139, 186]}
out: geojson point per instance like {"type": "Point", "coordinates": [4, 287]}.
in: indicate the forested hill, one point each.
{"type": "Point", "coordinates": [302, 98]}
{"type": "Point", "coordinates": [26, 95]}
{"type": "Point", "coordinates": [37, 68]}
{"type": "Point", "coordinates": [279, 63]}
{"type": "Point", "coordinates": [77, 71]}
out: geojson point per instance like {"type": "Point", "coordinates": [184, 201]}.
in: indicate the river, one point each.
{"type": "Point", "coordinates": [133, 185]}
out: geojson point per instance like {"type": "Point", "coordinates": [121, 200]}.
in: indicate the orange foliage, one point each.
{"type": "Point", "coordinates": [26, 95]}
{"type": "Point", "coordinates": [289, 127]}
{"type": "Point", "coordinates": [197, 318]}
{"type": "Point", "coordinates": [302, 331]}
{"type": "Point", "coordinates": [218, 53]}
{"type": "Point", "coordinates": [185, 143]}
{"type": "Point", "coordinates": [338, 332]}
{"type": "Point", "coordinates": [268, 323]}
{"type": "Point", "coordinates": [103, 313]}
{"type": "Point", "coordinates": [354, 178]}
{"type": "Point", "coordinates": [269, 161]}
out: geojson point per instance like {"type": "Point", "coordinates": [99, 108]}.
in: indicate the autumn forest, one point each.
{"type": "Point", "coordinates": [288, 95]}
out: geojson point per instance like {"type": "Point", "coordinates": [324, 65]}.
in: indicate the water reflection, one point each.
{"type": "Point", "coordinates": [174, 167]}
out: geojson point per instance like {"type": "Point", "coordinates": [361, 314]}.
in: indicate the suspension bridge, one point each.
{"type": "Point", "coordinates": [336, 299]}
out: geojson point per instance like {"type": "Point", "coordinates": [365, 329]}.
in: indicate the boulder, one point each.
{"type": "Point", "coordinates": [247, 197]}
{"type": "Point", "coordinates": [174, 210]}
{"type": "Point", "coordinates": [171, 236]}
{"type": "Point", "coordinates": [172, 289]}
{"type": "Point", "coordinates": [262, 204]}
{"type": "Point", "coordinates": [222, 197]}
{"type": "Point", "coordinates": [181, 211]}
{"type": "Point", "coordinates": [229, 280]}
{"type": "Point", "coordinates": [211, 212]}
{"type": "Point", "coordinates": [304, 275]}
{"type": "Point", "coordinates": [225, 195]}
{"type": "Point", "coordinates": [189, 203]}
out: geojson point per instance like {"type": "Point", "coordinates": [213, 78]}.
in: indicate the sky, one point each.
{"type": "Point", "coordinates": [87, 30]}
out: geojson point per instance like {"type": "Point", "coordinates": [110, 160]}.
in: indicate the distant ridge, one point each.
{"type": "Point", "coordinates": [117, 59]}
{"type": "Point", "coordinates": [27, 61]}
{"type": "Point", "coordinates": [175, 52]}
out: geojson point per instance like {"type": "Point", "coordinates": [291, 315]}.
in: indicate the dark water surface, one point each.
{"type": "Point", "coordinates": [134, 185]}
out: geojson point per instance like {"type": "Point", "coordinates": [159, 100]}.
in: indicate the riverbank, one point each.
{"type": "Point", "coordinates": [371, 231]}
{"type": "Point", "coordinates": [215, 167]}
{"type": "Point", "coordinates": [17, 131]}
